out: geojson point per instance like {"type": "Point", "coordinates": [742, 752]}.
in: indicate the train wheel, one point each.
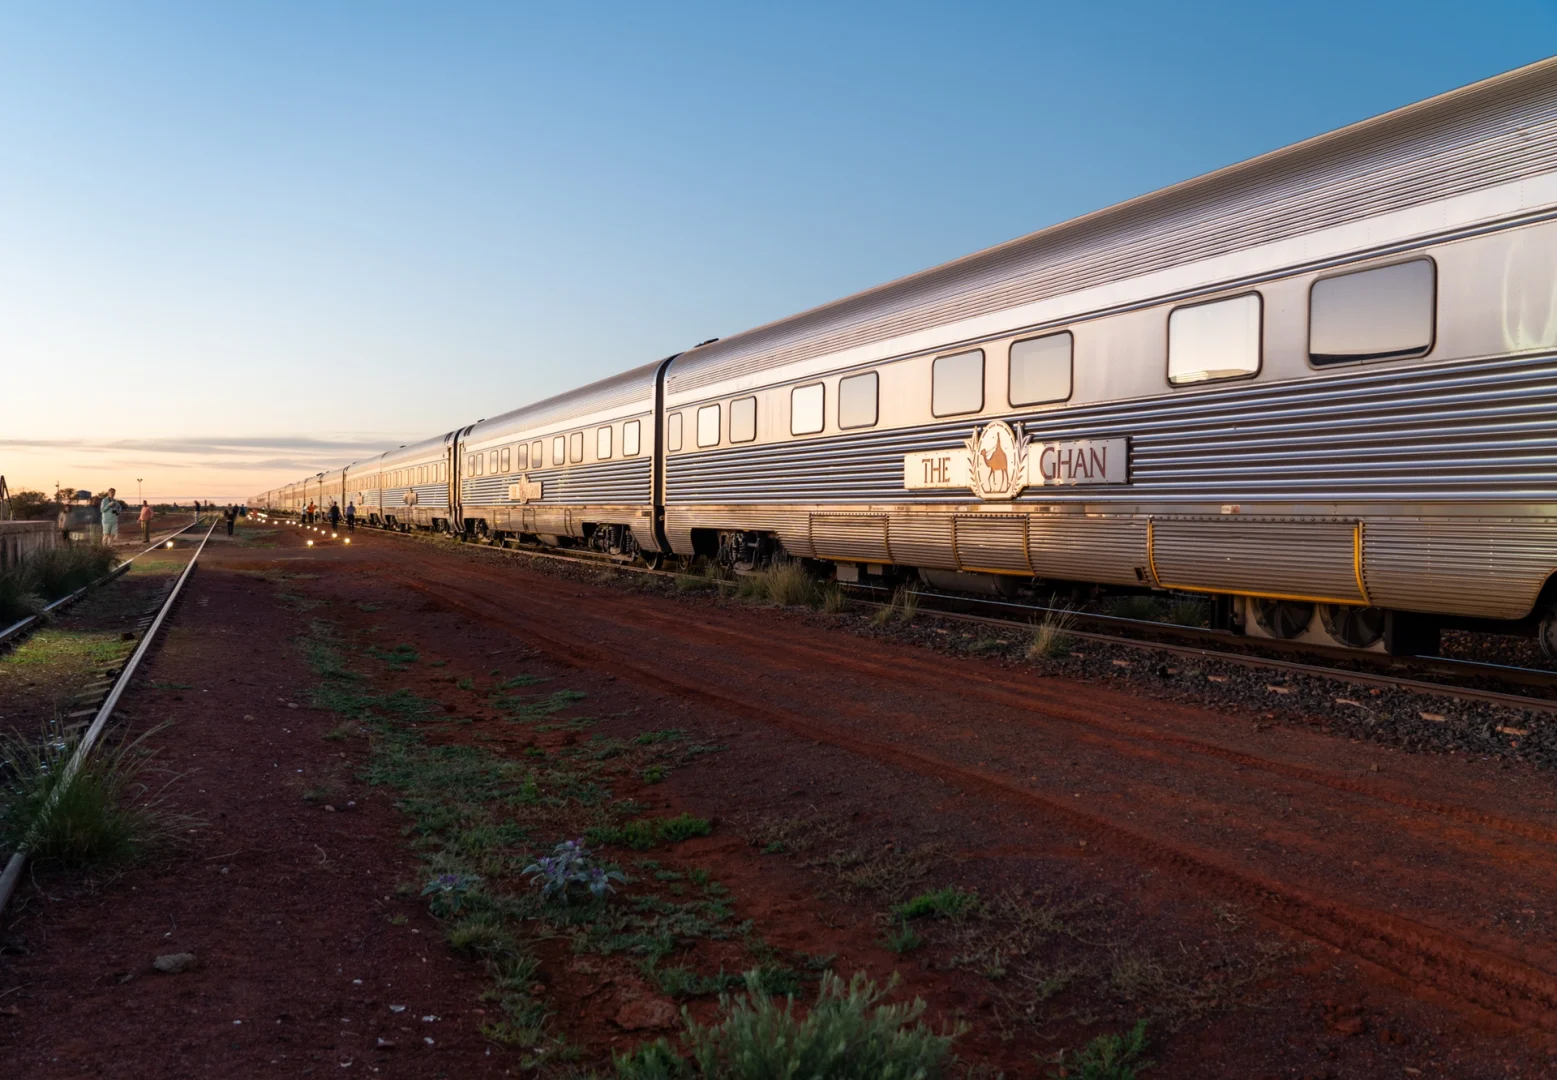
{"type": "Point", "coordinates": [1547, 632]}
{"type": "Point", "coordinates": [1284, 619]}
{"type": "Point", "coordinates": [653, 559]}
{"type": "Point", "coordinates": [1354, 627]}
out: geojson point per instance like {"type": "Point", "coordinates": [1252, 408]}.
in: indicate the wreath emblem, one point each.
{"type": "Point", "coordinates": [997, 465]}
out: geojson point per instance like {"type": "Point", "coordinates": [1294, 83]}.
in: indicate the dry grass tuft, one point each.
{"type": "Point", "coordinates": [1051, 635]}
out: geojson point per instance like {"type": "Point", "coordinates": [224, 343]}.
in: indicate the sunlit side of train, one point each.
{"type": "Point", "coordinates": [1319, 386]}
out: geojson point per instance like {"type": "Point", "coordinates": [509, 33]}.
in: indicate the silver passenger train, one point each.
{"type": "Point", "coordinates": [1319, 386]}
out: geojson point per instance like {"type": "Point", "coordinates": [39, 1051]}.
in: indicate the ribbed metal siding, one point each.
{"type": "Point", "coordinates": [991, 542]}
{"type": "Point", "coordinates": [1087, 547]}
{"type": "Point", "coordinates": [627, 388]}
{"type": "Point", "coordinates": [1462, 431]}
{"type": "Point", "coordinates": [1310, 559]}
{"type": "Point", "coordinates": [1498, 131]}
{"type": "Point", "coordinates": [1424, 565]}
{"type": "Point", "coordinates": [609, 483]}
{"type": "Point", "coordinates": [850, 536]}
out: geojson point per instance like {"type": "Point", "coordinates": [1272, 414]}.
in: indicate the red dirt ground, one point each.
{"type": "Point", "coordinates": [1412, 894]}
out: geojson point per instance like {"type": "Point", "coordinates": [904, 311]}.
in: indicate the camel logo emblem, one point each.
{"type": "Point", "coordinates": [998, 461]}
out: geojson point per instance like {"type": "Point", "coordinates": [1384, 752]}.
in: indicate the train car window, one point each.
{"type": "Point", "coordinates": [1218, 340]}
{"type": "Point", "coordinates": [1041, 369]}
{"type": "Point", "coordinates": [673, 432]}
{"type": "Point", "coordinates": [857, 397]}
{"type": "Point", "coordinates": [535, 455]}
{"type": "Point", "coordinates": [522, 456]}
{"type": "Point", "coordinates": [559, 450]}
{"type": "Point", "coordinates": [603, 444]}
{"type": "Point", "coordinates": [743, 419]}
{"type": "Point", "coordinates": [503, 459]}
{"type": "Point", "coordinates": [806, 405]}
{"type": "Point", "coordinates": [576, 446]}
{"type": "Point", "coordinates": [957, 383]}
{"type": "Point", "coordinates": [1381, 314]}
{"type": "Point", "coordinates": [632, 436]}
{"type": "Point", "coordinates": [493, 462]}
{"type": "Point", "coordinates": [708, 425]}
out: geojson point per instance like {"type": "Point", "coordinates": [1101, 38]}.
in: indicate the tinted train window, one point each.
{"type": "Point", "coordinates": [603, 443]}
{"type": "Point", "coordinates": [857, 400]}
{"type": "Point", "coordinates": [632, 434]}
{"type": "Point", "coordinates": [535, 455]}
{"type": "Point", "coordinates": [1380, 314]}
{"type": "Point", "coordinates": [957, 383]}
{"type": "Point", "coordinates": [1040, 369]}
{"type": "Point", "coordinates": [673, 432]}
{"type": "Point", "coordinates": [559, 450]}
{"type": "Point", "coordinates": [522, 456]}
{"type": "Point", "coordinates": [743, 419]}
{"type": "Point", "coordinates": [806, 405]}
{"type": "Point", "coordinates": [1219, 340]}
{"type": "Point", "coordinates": [576, 446]}
{"type": "Point", "coordinates": [708, 425]}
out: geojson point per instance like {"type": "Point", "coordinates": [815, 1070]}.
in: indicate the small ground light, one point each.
{"type": "Point", "coordinates": [170, 543]}
{"type": "Point", "coordinates": [310, 543]}
{"type": "Point", "coordinates": [348, 540]}
{"type": "Point", "coordinates": [334, 535]}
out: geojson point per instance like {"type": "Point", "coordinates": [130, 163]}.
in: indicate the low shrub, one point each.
{"type": "Point", "coordinates": [104, 814]}
{"type": "Point", "coordinates": [51, 575]}
{"type": "Point", "coordinates": [1108, 1057]}
{"type": "Point", "coordinates": [1051, 635]}
{"type": "Point", "coordinates": [947, 903]}
{"type": "Point", "coordinates": [1135, 606]}
{"type": "Point", "coordinates": [645, 833]}
{"type": "Point", "coordinates": [1187, 611]}
{"type": "Point", "coordinates": [849, 1034]}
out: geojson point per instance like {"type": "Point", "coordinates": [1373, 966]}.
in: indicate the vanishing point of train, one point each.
{"type": "Point", "coordinates": [1319, 386]}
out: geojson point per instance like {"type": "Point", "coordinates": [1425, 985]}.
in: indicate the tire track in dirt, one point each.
{"type": "Point", "coordinates": [1456, 968]}
{"type": "Point", "coordinates": [1027, 694]}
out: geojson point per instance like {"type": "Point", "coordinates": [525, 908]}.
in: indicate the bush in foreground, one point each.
{"type": "Point", "coordinates": [49, 575]}
{"type": "Point", "coordinates": [849, 1034]}
{"type": "Point", "coordinates": [103, 815]}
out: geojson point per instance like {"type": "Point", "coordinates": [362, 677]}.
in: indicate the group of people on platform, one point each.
{"type": "Point", "coordinates": [312, 515]}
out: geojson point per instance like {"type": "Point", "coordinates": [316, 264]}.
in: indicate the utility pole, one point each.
{"type": "Point", "coordinates": [137, 489]}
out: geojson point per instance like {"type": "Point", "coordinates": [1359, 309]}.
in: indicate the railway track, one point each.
{"type": "Point", "coordinates": [1439, 676]}
{"type": "Point", "coordinates": [93, 731]}
{"type": "Point", "coordinates": [18, 630]}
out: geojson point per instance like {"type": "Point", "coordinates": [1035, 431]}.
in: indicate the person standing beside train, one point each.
{"type": "Point", "coordinates": [145, 520]}
{"type": "Point", "coordinates": [335, 516]}
{"type": "Point", "coordinates": [351, 517]}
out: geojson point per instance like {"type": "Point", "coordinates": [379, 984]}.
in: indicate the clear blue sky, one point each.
{"type": "Point", "coordinates": [233, 236]}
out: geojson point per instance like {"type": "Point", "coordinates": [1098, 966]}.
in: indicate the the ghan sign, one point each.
{"type": "Point", "coordinates": [998, 463]}
{"type": "Point", "coordinates": [526, 490]}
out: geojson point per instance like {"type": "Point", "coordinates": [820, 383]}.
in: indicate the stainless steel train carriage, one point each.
{"type": "Point", "coordinates": [405, 488]}
{"type": "Point", "coordinates": [576, 468]}
{"type": "Point", "coordinates": [1319, 386]}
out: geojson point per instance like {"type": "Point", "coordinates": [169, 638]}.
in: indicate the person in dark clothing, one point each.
{"type": "Point", "coordinates": [335, 516]}
{"type": "Point", "coordinates": [231, 515]}
{"type": "Point", "coordinates": [351, 517]}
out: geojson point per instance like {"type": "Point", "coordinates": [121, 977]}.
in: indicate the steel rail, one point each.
{"type": "Point", "coordinates": [1421, 686]}
{"type": "Point", "coordinates": [13, 869]}
{"type": "Point", "coordinates": [22, 626]}
{"type": "Point", "coordinates": [1401, 682]}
